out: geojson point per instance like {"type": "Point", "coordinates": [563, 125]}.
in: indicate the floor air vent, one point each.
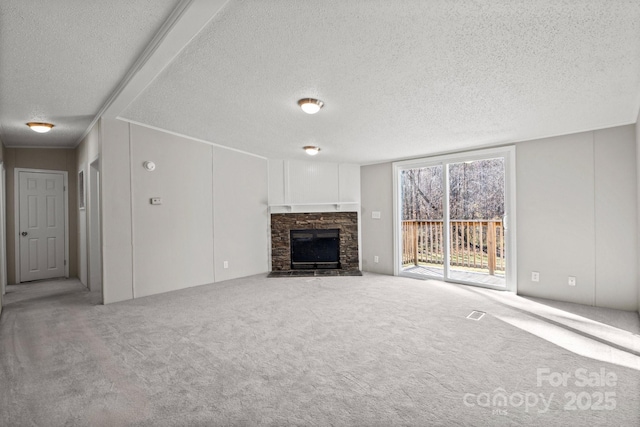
{"type": "Point", "coordinates": [476, 315]}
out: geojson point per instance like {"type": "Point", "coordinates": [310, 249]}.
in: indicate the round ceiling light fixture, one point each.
{"type": "Point", "coordinates": [311, 150]}
{"type": "Point", "coordinates": [310, 105]}
{"type": "Point", "coordinates": [40, 127]}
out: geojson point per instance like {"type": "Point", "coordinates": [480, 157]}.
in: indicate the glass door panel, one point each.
{"type": "Point", "coordinates": [423, 235]}
{"type": "Point", "coordinates": [476, 210]}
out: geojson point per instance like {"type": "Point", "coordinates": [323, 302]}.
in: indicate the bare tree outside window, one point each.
{"type": "Point", "coordinates": [476, 191]}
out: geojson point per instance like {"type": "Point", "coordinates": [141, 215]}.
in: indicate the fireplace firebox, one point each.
{"type": "Point", "coordinates": [315, 249]}
{"type": "Point", "coordinates": [343, 246]}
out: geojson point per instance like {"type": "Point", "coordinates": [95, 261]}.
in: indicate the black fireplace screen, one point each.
{"type": "Point", "coordinates": [314, 249]}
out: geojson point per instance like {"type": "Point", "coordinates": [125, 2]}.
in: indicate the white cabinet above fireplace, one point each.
{"type": "Point", "coordinates": [303, 186]}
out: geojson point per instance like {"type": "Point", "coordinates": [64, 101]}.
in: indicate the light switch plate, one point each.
{"type": "Point", "coordinates": [375, 214]}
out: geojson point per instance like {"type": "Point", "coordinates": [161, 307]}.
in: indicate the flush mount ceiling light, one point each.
{"type": "Point", "coordinates": [311, 150]}
{"type": "Point", "coordinates": [40, 127]}
{"type": "Point", "coordinates": [310, 105]}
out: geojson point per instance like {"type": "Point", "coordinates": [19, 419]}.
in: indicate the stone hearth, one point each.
{"type": "Point", "coordinates": [283, 223]}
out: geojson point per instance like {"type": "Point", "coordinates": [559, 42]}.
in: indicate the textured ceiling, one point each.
{"type": "Point", "coordinates": [398, 78]}
{"type": "Point", "coordinates": [61, 60]}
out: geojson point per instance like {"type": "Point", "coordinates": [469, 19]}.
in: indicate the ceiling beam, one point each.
{"type": "Point", "coordinates": [184, 23]}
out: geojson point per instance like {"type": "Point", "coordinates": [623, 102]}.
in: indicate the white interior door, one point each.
{"type": "Point", "coordinates": [41, 231]}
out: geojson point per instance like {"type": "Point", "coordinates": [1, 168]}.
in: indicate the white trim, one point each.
{"type": "Point", "coordinates": [506, 152]}
{"type": "Point", "coordinates": [359, 216]}
{"type": "Point", "coordinates": [287, 185]}
{"type": "Point", "coordinates": [131, 216]}
{"type": "Point", "coordinates": [213, 215]}
{"type": "Point", "coordinates": [314, 207]}
{"type": "Point", "coordinates": [16, 210]}
{"type": "Point", "coordinates": [133, 122]}
{"type": "Point", "coordinates": [269, 245]}
{"type": "Point", "coordinates": [396, 214]}
{"type": "Point", "coordinates": [511, 221]}
{"type": "Point", "coordinates": [82, 192]}
{"type": "Point", "coordinates": [89, 222]}
{"type": "Point", "coordinates": [43, 147]}
{"type": "Point", "coordinates": [446, 186]}
{"type": "Point", "coordinates": [16, 223]}
{"type": "Point", "coordinates": [3, 228]}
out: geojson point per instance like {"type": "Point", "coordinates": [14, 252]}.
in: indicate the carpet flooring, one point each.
{"type": "Point", "coordinates": [316, 351]}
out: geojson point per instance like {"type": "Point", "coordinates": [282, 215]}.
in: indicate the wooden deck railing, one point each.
{"type": "Point", "coordinates": [474, 244]}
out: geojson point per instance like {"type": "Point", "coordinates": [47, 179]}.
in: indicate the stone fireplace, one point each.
{"type": "Point", "coordinates": [331, 230]}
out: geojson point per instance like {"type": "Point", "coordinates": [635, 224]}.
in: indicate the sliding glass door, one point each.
{"type": "Point", "coordinates": [454, 218]}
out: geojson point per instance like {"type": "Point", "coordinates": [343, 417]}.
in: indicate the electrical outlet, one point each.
{"type": "Point", "coordinates": [535, 276]}
{"type": "Point", "coordinates": [225, 264]}
{"type": "Point", "coordinates": [572, 281]}
{"type": "Point", "coordinates": [376, 259]}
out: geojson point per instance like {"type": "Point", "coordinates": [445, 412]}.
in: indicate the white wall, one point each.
{"type": "Point", "coordinates": [117, 251]}
{"type": "Point", "coordinates": [556, 218]}
{"type": "Point", "coordinates": [209, 196]}
{"type": "Point", "coordinates": [172, 242]}
{"type": "Point", "coordinates": [616, 217]}
{"type": "Point", "coordinates": [638, 205]}
{"type": "Point", "coordinates": [241, 230]}
{"type": "Point", "coordinates": [377, 234]}
{"type": "Point", "coordinates": [576, 198]}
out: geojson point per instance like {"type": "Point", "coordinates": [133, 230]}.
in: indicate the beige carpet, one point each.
{"type": "Point", "coordinates": [362, 351]}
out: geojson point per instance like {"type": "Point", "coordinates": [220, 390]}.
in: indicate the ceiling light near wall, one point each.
{"type": "Point", "coordinates": [40, 127]}
{"type": "Point", "coordinates": [311, 150]}
{"type": "Point", "coordinates": [310, 105]}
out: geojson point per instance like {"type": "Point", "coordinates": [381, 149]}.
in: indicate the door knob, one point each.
{"type": "Point", "coordinates": [24, 233]}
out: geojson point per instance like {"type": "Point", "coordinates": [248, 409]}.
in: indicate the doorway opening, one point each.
{"type": "Point", "coordinates": [455, 218]}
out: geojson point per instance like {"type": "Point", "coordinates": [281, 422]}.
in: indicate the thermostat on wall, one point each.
{"type": "Point", "coordinates": [150, 166]}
